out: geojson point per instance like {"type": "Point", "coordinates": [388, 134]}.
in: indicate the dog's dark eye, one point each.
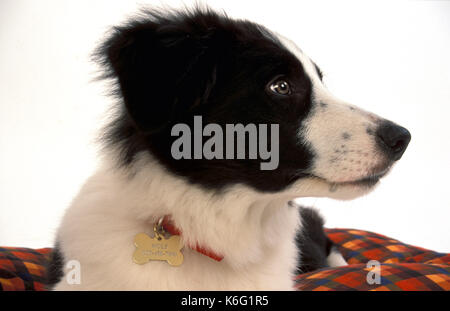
{"type": "Point", "coordinates": [280, 87]}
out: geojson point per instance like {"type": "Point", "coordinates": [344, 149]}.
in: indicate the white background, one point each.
{"type": "Point", "coordinates": [388, 57]}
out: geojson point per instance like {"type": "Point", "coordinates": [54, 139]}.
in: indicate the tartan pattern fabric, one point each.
{"type": "Point", "coordinates": [393, 277]}
{"type": "Point", "coordinates": [402, 267]}
{"type": "Point", "coordinates": [359, 246]}
{"type": "Point", "coordinates": [23, 268]}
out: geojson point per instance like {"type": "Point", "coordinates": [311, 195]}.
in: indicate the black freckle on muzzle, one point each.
{"type": "Point", "coordinates": [392, 139]}
{"type": "Point", "coordinates": [346, 136]}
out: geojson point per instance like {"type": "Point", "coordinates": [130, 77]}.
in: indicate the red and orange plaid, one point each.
{"type": "Point", "coordinates": [23, 268]}
{"type": "Point", "coordinates": [402, 267]}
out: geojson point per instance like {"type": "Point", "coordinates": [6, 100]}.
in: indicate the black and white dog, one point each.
{"type": "Point", "coordinates": [237, 223]}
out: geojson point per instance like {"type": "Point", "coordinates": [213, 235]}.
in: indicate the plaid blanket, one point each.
{"type": "Point", "coordinates": [401, 267]}
{"type": "Point", "coordinates": [23, 268]}
{"type": "Point", "coordinates": [398, 266]}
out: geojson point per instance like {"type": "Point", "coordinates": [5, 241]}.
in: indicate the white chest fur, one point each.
{"type": "Point", "coordinates": [255, 232]}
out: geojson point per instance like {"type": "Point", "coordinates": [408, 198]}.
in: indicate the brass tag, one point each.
{"type": "Point", "coordinates": [158, 248]}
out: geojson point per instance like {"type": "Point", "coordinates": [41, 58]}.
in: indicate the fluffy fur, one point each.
{"type": "Point", "coordinates": [171, 66]}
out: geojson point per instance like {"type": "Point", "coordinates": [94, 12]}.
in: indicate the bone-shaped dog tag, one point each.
{"type": "Point", "coordinates": [158, 248]}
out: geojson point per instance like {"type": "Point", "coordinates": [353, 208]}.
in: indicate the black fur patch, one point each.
{"type": "Point", "coordinates": [172, 66]}
{"type": "Point", "coordinates": [312, 242]}
{"type": "Point", "coordinates": [54, 267]}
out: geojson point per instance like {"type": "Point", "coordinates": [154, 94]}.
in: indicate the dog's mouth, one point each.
{"type": "Point", "coordinates": [365, 182]}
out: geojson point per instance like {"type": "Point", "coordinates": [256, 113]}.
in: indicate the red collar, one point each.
{"type": "Point", "coordinates": [170, 227]}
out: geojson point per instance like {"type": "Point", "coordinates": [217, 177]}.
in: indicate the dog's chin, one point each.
{"type": "Point", "coordinates": [351, 189]}
{"type": "Point", "coordinates": [314, 186]}
{"type": "Point", "coordinates": [365, 182]}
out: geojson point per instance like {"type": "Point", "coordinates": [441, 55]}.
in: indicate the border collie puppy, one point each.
{"type": "Point", "coordinates": [147, 220]}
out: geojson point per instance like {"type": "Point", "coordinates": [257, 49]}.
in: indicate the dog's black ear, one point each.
{"type": "Point", "coordinates": [163, 67]}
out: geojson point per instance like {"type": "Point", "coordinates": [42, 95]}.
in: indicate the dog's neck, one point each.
{"type": "Point", "coordinates": [238, 223]}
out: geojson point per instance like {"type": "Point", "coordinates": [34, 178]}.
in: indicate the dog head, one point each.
{"type": "Point", "coordinates": [170, 67]}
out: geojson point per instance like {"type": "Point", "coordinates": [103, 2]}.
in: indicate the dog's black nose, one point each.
{"type": "Point", "coordinates": [393, 139]}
